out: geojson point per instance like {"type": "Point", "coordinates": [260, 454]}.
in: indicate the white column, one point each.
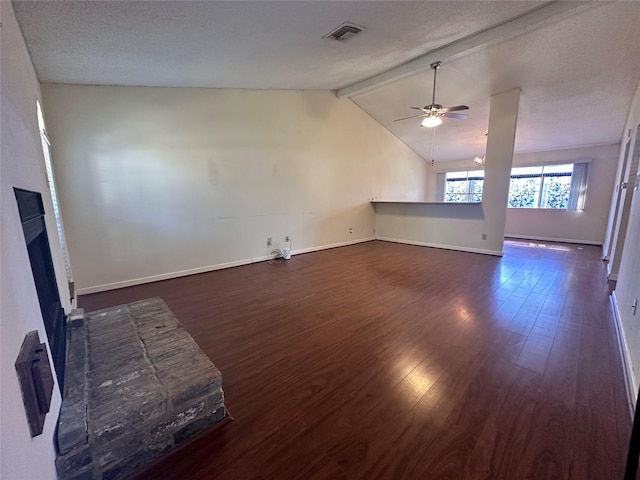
{"type": "Point", "coordinates": [503, 116]}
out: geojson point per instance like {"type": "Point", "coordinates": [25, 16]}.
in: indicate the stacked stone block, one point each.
{"type": "Point", "coordinates": [137, 384]}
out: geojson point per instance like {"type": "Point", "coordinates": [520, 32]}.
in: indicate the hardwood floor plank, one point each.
{"type": "Point", "coordinates": [549, 441]}
{"type": "Point", "coordinates": [535, 352]}
{"type": "Point", "coordinates": [561, 373]}
{"type": "Point", "coordinates": [326, 469]}
{"type": "Point", "coordinates": [546, 325]}
{"type": "Point", "coordinates": [500, 446]}
{"type": "Point", "coordinates": [594, 385]}
{"type": "Point", "coordinates": [389, 361]}
{"type": "Point", "coordinates": [448, 456]}
{"type": "Point", "coordinates": [594, 446]}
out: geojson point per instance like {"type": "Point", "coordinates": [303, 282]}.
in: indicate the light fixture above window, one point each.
{"type": "Point", "coordinates": [431, 121]}
{"type": "Point", "coordinates": [479, 161]}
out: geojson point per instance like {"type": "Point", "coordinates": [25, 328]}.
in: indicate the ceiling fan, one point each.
{"type": "Point", "coordinates": [434, 112]}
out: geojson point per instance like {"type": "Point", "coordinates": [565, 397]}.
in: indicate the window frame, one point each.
{"type": "Point", "coordinates": [468, 193]}
{"type": "Point", "coordinates": [577, 186]}
{"type": "Point", "coordinates": [542, 176]}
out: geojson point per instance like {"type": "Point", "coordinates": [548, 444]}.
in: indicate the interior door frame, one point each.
{"type": "Point", "coordinates": [627, 191]}
{"type": "Point", "coordinates": [616, 203]}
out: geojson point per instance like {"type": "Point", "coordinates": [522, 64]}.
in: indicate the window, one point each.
{"type": "Point", "coordinates": [545, 186]}
{"type": "Point", "coordinates": [542, 186]}
{"type": "Point", "coordinates": [464, 186]}
{"type": "Point", "coordinates": [52, 187]}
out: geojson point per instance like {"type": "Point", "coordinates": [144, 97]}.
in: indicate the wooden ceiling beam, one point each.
{"type": "Point", "coordinates": [556, 10]}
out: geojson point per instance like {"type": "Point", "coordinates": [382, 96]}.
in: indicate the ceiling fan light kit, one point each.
{"type": "Point", "coordinates": [431, 121]}
{"type": "Point", "coordinates": [479, 161]}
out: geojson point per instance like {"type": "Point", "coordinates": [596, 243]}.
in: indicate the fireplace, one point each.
{"type": "Point", "coordinates": [31, 211]}
{"type": "Point", "coordinates": [137, 386]}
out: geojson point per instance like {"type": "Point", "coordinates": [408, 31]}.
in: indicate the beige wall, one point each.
{"type": "Point", "coordinates": [158, 182]}
{"type": "Point", "coordinates": [583, 226]}
{"type": "Point", "coordinates": [628, 284]}
{"type": "Point", "coordinates": [467, 227]}
{"type": "Point", "coordinates": [21, 457]}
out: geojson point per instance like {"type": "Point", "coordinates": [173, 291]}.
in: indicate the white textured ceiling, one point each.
{"type": "Point", "coordinates": [577, 79]}
{"type": "Point", "coordinates": [577, 72]}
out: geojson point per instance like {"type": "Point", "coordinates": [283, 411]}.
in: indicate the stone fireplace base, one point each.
{"type": "Point", "coordinates": [136, 385]}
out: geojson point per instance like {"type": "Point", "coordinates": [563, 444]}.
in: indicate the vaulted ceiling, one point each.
{"type": "Point", "coordinates": [576, 63]}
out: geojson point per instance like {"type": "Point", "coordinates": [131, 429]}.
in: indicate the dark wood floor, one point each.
{"type": "Point", "coordinates": [388, 361]}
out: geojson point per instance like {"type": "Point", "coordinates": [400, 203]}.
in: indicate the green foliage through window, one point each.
{"type": "Point", "coordinates": [547, 186]}
{"type": "Point", "coordinates": [463, 187]}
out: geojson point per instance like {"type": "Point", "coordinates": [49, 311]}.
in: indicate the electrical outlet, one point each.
{"type": "Point", "coordinates": [484, 236]}
{"type": "Point", "coordinates": [269, 241]}
{"type": "Point", "coordinates": [351, 230]}
{"type": "Point", "coordinates": [286, 239]}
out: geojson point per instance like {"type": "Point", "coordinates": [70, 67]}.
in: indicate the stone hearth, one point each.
{"type": "Point", "coordinates": [136, 385]}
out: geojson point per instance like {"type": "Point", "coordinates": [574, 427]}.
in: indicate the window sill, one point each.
{"type": "Point", "coordinates": [538, 209]}
{"type": "Point", "coordinates": [425, 203]}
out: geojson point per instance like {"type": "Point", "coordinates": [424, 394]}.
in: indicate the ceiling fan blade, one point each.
{"type": "Point", "coordinates": [455, 109]}
{"type": "Point", "coordinates": [459, 116]}
{"type": "Point", "coordinates": [412, 116]}
{"type": "Point", "coordinates": [419, 108]}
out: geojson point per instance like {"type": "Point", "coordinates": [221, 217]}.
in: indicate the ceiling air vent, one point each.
{"type": "Point", "coordinates": [345, 31]}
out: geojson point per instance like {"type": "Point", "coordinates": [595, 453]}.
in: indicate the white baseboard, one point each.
{"type": "Point", "coordinates": [445, 247]}
{"type": "Point", "coordinates": [209, 268]}
{"type": "Point", "coordinates": [611, 276]}
{"type": "Point", "coordinates": [167, 276]}
{"type": "Point", "coordinates": [623, 346]}
{"type": "Point", "coordinates": [332, 245]}
{"type": "Point", "coordinates": [549, 239]}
